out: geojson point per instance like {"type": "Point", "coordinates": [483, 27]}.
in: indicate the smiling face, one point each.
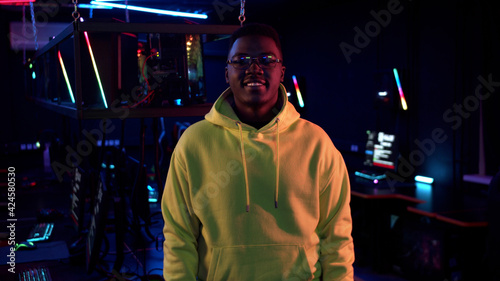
{"type": "Point", "coordinates": [255, 88]}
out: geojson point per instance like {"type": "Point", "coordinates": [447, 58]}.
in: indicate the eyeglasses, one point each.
{"type": "Point", "coordinates": [244, 62]}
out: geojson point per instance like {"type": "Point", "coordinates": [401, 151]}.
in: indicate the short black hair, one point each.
{"type": "Point", "coordinates": [256, 29]}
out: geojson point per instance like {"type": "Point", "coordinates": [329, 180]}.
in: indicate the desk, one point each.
{"type": "Point", "coordinates": [451, 217]}
{"type": "Point", "coordinates": [375, 207]}
{"type": "Point", "coordinates": [451, 206]}
{"type": "Point", "coordinates": [460, 217]}
{"type": "Point", "coordinates": [366, 189]}
{"type": "Point", "coordinates": [442, 203]}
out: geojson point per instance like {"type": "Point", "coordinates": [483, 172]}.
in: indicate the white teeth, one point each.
{"type": "Point", "coordinates": [254, 84]}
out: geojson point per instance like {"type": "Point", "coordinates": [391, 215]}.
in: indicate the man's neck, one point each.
{"type": "Point", "coordinates": [258, 117]}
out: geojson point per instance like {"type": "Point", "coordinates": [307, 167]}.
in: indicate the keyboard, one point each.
{"type": "Point", "coordinates": [35, 274]}
{"type": "Point", "coordinates": [40, 232]}
{"type": "Point", "coordinates": [370, 175]}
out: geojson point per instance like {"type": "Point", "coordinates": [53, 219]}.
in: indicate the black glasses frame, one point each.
{"type": "Point", "coordinates": [260, 60]}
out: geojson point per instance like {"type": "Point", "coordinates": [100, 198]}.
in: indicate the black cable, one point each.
{"type": "Point", "coordinates": [106, 247]}
{"type": "Point", "coordinates": [153, 269]}
{"type": "Point", "coordinates": [155, 276]}
{"type": "Point", "coordinates": [155, 213]}
{"type": "Point", "coordinates": [122, 134]}
{"type": "Point", "coordinates": [157, 244]}
{"type": "Point", "coordinates": [157, 144]}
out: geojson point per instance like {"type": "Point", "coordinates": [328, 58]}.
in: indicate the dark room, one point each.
{"type": "Point", "coordinates": [243, 140]}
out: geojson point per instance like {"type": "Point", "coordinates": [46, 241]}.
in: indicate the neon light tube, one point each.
{"type": "Point", "coordinates": [400, 89]}
{"type": "Point", "coordinates": [150, 10]}
{"type": "Point", "coordinates": [299, 95]}
{"type": "Point", "coordinates": [424, 179]}
{"type": "Point", "coordinates": [66, 76]}
{"type": "Point", "coordinates": [88, 6]}
{"type": "Point", "coordinates": [16, 3]}
{"type": "Point", "coordinates": [95, 69]}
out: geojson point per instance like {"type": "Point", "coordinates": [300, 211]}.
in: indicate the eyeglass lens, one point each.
{"type": "Point", "coordinates": [246, 61]}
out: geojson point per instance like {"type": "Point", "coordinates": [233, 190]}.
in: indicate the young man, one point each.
{"type": "Point", "coordinates": [253, 191]}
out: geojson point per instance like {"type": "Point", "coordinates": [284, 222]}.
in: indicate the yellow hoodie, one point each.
{"type": "Point", "coordinates": [245, 204]}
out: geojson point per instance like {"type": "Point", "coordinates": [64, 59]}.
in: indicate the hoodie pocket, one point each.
{"type": "Point", "coordinates": [259, 262]}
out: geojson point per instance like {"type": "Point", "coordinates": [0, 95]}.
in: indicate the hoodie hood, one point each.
{"type": "Point", "coordinates": [222, 114]}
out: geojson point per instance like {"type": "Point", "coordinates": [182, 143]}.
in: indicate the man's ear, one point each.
{"type": "Point", "coordinates": [227, 76]}
{"type": "Point", "coordinates": [283, 74]}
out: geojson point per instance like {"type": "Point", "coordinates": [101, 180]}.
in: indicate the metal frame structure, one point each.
{"type": "Point", "coordinates": [75, 32]}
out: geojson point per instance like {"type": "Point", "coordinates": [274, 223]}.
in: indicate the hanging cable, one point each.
{"type": "Point", "coordinates": [32, 8]}
{"type": "Point", "coordinates": [242, 18]}
{"type": "Point", "coordinates": [127, 16]}
{"type": "Point", "coordinates": [24, 28]}
{"type": "Point", "coordinates": [75, 13]}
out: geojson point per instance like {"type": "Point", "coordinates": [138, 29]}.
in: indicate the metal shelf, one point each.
{"type": "Point", "coordinates": [49, 97]}
{"type": "Point", "coordinates": [69, 110]}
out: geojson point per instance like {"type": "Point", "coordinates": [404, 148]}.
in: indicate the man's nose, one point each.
{"type": "Point", "coordinates": [254, 66]}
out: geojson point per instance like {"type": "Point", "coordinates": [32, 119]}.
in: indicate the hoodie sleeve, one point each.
{"type": "Point", "coordinates": [181, 227]}
{"type": "Point", "coordinates": [335, 226]}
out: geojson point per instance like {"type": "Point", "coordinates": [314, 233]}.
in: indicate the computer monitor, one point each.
{"type": "Point", "coordinates": [381, 151]}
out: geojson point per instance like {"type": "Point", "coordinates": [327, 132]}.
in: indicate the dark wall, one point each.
{"type": "Point", "coordinates": [442, 49]}
{"type": "Point", "coordinates": [21, 121]}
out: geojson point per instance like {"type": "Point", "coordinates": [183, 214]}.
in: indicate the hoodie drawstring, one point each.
{"type": "Point", "coordinates": [277, 162]}
{"type": "Point", "coordinates": [244, 160]}
{"type": "Point", "coordinates": [244, 165]}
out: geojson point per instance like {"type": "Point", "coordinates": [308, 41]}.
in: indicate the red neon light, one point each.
{"type": "Point", "coordinates": [383, 165]}
{"type": "Point", "coordinates": [16, 3]}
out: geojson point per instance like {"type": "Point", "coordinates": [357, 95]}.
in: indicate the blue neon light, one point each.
{"type": "Point", "coordinates": [424, 179]}
{"type": "Point", "coordinates": [400, 89]}
{"type": "Point", "coordinates": [150, 10]}
{"type": "Point", "coordinates": [297, 90]}
{"type": "Point", "coordinates": [88, 6]}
